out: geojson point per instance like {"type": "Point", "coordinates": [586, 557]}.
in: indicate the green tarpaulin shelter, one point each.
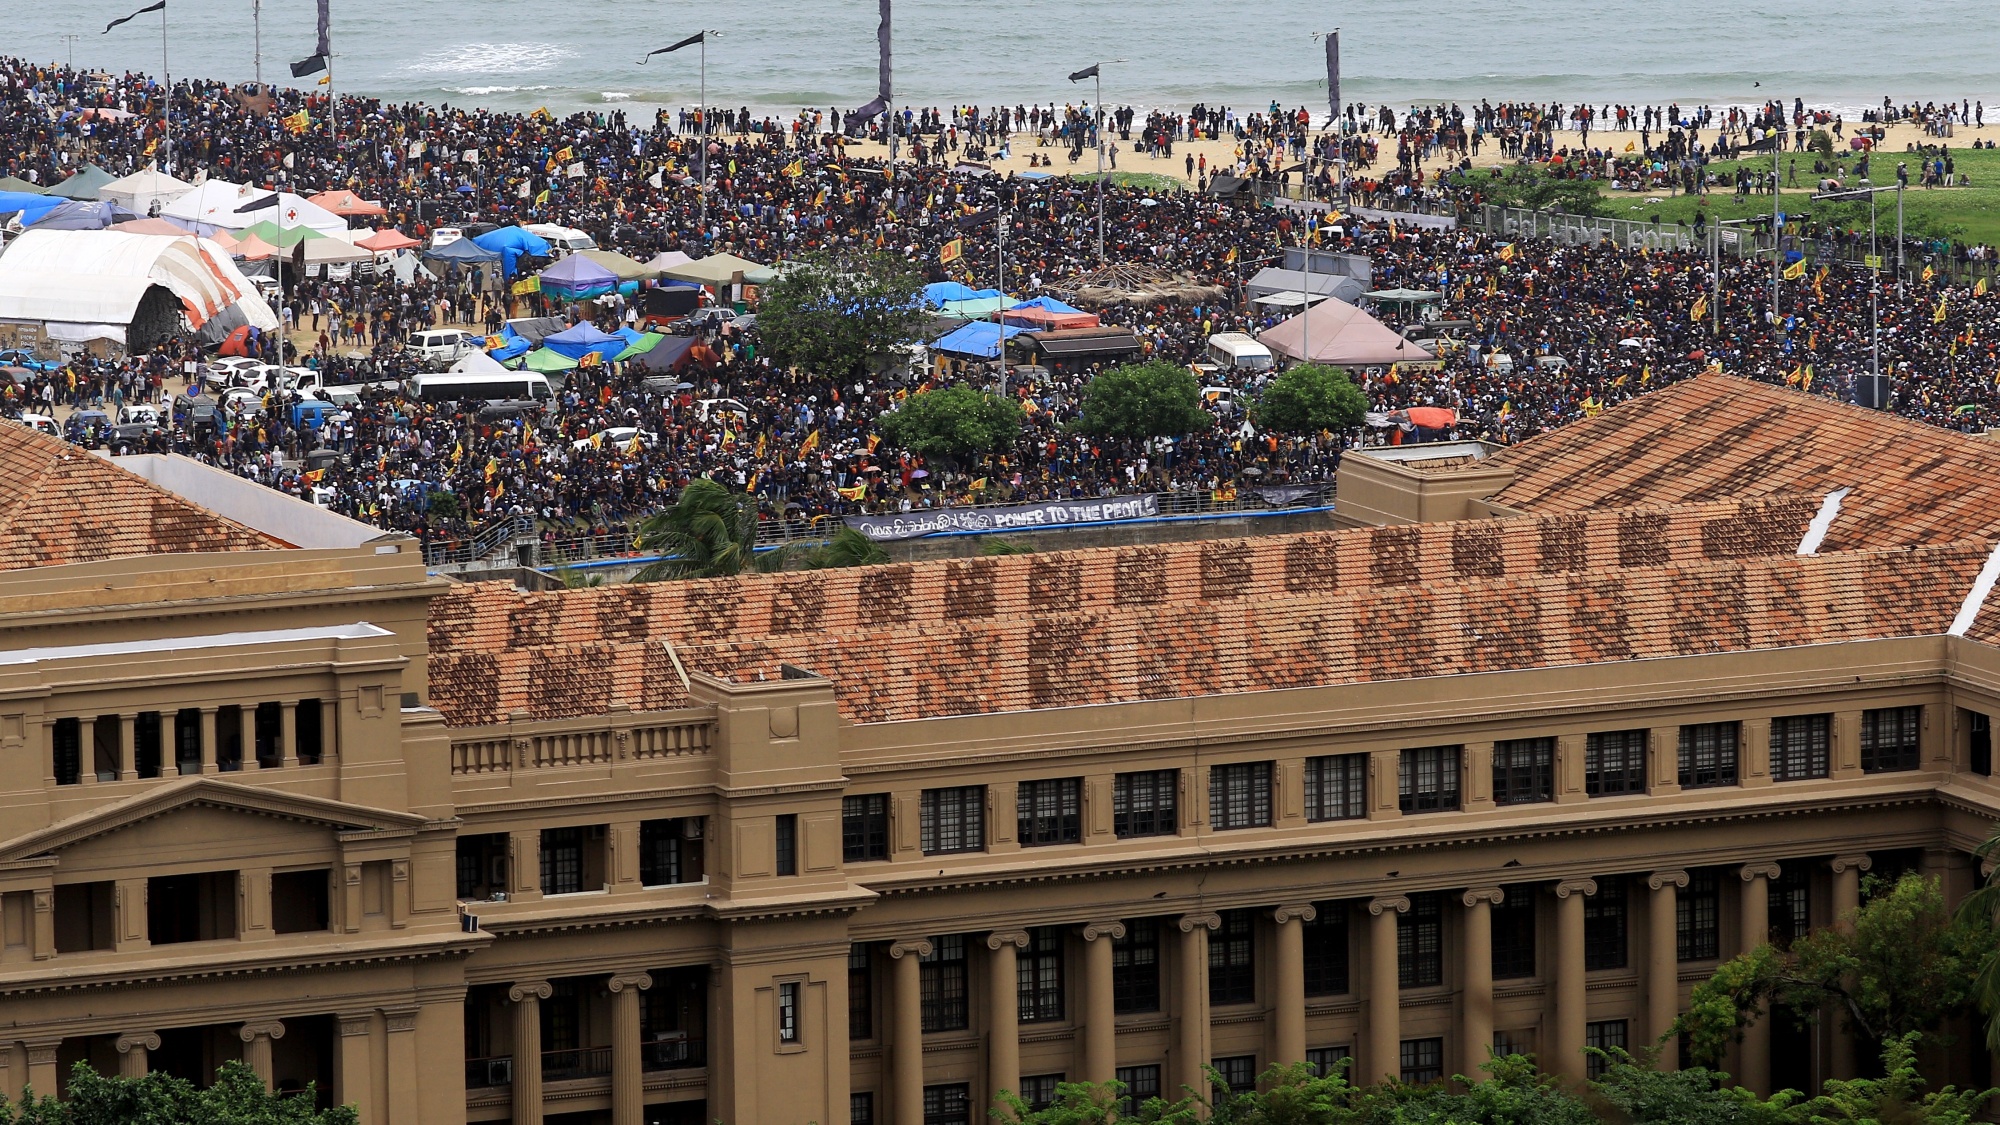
{"type": "Point", "coordinates": [546, 361]}
{"type": "Point", "coordinates": [646, 343]}
{"type": "Point", "coordinates": [284, 239]}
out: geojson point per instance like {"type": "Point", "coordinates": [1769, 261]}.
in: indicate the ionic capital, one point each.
{"type": "Point", "coordinates": [1209, 921]}
{"type": "Point", "coordinates": [637, 982]}
{"type": "Point", "coordinates": [1859, 862]}
{"type": "Point", "coordinates": [1661, 880]}
{"type": "Point", "coordinates": [267, 1029]}
{"type": "Point", "coordinates": [1389, 904]}
{"type": "Point", "coordinates": [1303, 911]}
{"type": "Point", "coordinates": [1754, 871]}
{"type": "Point", "coordinates": [1094, 930]}
{"type": "Point", "coordinates": [522, 990]}
{"type": "Point", "coordinates": [1568, 887]}
{"type": "Point", "coordinates": [144, 1040]}
{"type": "Point", "coordinates": [920, 947]}
{"type": "Point", "coordinates": [1016, 938]}
{"type": "Point", "coordinates": [1491, 896]}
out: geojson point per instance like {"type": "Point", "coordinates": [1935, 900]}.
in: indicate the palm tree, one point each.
{"type": "Point", "coordinates": [710, 533]}
{"type": "Point", "coordinates": [1005, 547]}
{"type": "Point", "coordinates": [844, 548]}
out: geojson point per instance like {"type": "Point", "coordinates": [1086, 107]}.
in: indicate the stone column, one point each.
{"type": "Point", "coordinates": [132, 1048]}
{"type": "Point", "coordinates": [1191, 1003]}
{"type": "Point", "coordinates": [906, 1045]}
{"type": "Point", "coordinates": [288, 734]}
{"type": "Point", "coordinates": [1289, 981]}
{"type": "Point", "coordinates": [42, 1065]}
{"type": "Point", "coordinates": [628, 1083]}
{"type": "Point", "coordinates": [527, 997]}
{"type": "Point", "coordinates": [1100, 1001]}
{"type": "Point", "coordinates": [1566, 1052]}
{"type": "Point", "coordinates": [1475, 1031]}
{"type": "Point", "coordinates": [128, 761]}
{"type": "Point", "coordinates": [1003, 1019]}
{"type": "Point", "coordinates": [1847, 871]}
{"type": "Point", "coordinates": [86, 751]}
{"type": "Point", "coordinates": [246, 735]}
{"type": "Point", "coordinates": [401, 1026]}
{"type": "Point", "coordinates": [355, 1083]}
{"type": "Point", "coordinates": [208, 740]}
{"type": "Point", "coordinates": [1382, 1053]}
{"type": "Point", "coordinates": [257, 1039]}
{"type": "Point", "coordinates": [1753, 1063]}
{"type": "Point", "coordinates": [1663, 961]}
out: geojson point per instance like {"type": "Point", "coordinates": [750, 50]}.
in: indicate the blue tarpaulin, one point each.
{"type": "Point", "coordinates": [979, 338]}
{"type": "Point", "coordinates": [72, 214]}
{"type": "Point", "coordinates": [584, 338]}
{"type": "Point", "coordinates": [31, 206]}
{"type": "Point", "coordinates": [1049, 304]}
{"type": "Point", "coordinates": [510, 243]}
{"type": "Point", "coordinates": [463, 250]}
{"type": "Point", "coordinates": [943, 292]}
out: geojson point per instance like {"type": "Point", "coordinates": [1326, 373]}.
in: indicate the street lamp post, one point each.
{"type": "Point", "coordinates": [1094, 72]}
{"type": "Point", "coordinates": [71, 40]}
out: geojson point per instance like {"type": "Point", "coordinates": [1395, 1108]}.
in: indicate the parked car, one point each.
{"type": "Point", "coordinates": [441, 345]}
{"type": "Point", "coordinates": [616, 436]}
{"type": "Point", "coordinates": [43, 423]}
{"type": "Point", "coordinates": [19, 357]}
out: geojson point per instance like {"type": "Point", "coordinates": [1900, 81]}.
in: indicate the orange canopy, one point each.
{"type": "Point", "coordinates": [346, 204]}
{"type": "Point", "coordinates": [252, 248]}
{"type": "Point", "coordinates": [389, 238]}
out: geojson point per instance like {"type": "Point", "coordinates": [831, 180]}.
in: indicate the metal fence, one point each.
{"type": "Point", "coordinates": [1580, 230]}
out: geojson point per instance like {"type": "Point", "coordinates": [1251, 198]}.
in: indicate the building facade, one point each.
{"type": "Point", "coordinates": [872, 845]}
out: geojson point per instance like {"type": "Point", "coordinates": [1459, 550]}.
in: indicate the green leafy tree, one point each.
{"type": "Point", "coordinates": [1309, 398]}
{"type": "Point", "coordinates": [710, 533]}
{"type": "Point", "coordinates": [1154, 399]}
{"type": "Point", "coordinates": [844, 548]}
{"type": "Point", "coordinates": [1005, 547]}
{"type": "Point", "coordinates": [841, 315]}
{"type": "Point", "coordinates": [1820, 144]}
{"type": "Point", "coordinates": [238, 1097]}
{"type": "Point", "coordinates": [1634, 1090]}
{"type": "Point", "coordinates": [1904, 966]}
{"type": "Point", "coordinates": [952, 424]}
{"type": "Point", "coordinates": [1898, 1097]}
{"type": "Point", "coordinates": [443, 505]}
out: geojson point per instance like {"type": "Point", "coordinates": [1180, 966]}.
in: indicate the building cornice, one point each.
{"type": "Point", "coordinates": [239, 960]}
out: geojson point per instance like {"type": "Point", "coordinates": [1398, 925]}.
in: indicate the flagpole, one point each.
{"type": "Point", "coordinates": [167, 156]}
{"type": "Point", "coordinates": [257, 39]}
{"type": "Point", "coordinates": [703, 117]}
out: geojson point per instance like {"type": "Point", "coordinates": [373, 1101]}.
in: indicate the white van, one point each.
{"type": "Point", "coordinates": [561, 240]}
{"type": "Point", "coordinates": [514, 386]}
{"type": "Point", "coordinates": [1236, 351]}
{"type": "Point", "coordinates": [440, 345]}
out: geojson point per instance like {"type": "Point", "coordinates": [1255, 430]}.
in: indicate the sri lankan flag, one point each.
{"type": "Point", "coordinates": [951, 252]}
{"type": "Point", "coordinates": [1796, 270]}
{"type": "Point", "coordinates": [1699, 310]}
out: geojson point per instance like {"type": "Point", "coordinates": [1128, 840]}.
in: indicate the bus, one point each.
{"type": "Point", "coordinates": [455, 386]}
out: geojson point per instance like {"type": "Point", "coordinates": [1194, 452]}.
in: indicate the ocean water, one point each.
{"type": "Point", "coordinates": [779, 55]}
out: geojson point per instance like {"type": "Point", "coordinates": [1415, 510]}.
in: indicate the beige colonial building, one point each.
{"type": "Point", "coordinates": [1509, 765]}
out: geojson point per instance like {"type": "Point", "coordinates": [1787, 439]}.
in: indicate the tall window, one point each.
{"type": "Point", "coordinates": [1049, 811]}
{"type": "Point", "coordinates": [1423, 1061]}
{"type": "Point", "coordinates": [1239, 796]}
{"type": "Point", "coordinates": [860, 992]}
{"type": "Point", "coordinates": [1337, 787]}
{"type": "Point", "coordinates": [1605, 925]}
{"type": "Point", "coordinates": [1790, 904]}
{"type": "Point", "coordinates": [1427, 779]}
{"type": "Point", "coordinates": [861, 1109]}
{"type": "Point", "coordinates": [1141, 1083]}
{"type": "Point", "coordinates": [1708, 755]}
{"type": "Point", "coordinates": [1697, 913]}
{"type": "Point", "coordinates": [1237, 1073]}
{"type": "Point", "coordinates": [948, 1105]}
{"type": "Point", "coordinates": [1524, 771]}
{"type": "Point", "coordinates": [1039, 971]}
{"type": "Point", "coordinates": [1420, 942]}
{"type": "Point", "coordinates": [941, 979]}
{"type": "Point", "coordinates": [670, 850]}
{"type": "Point", "coordinates": [1135, 968]}
{"type": "Point", "coordinates": [1327, 951]}
{"type": "Point", "coordinates": [788, 843]}
{"type": "Point", "coordinates": [864, 827]}
{"type": "Point", "coordinates": [1325, 1061]}
{"type": "Point", "coordinates": [1800, 746]}
{"type": "Point", "coordinates": [788, 1011]}
{"type": "Point", "coordinates": [1232, 959]}
{"type": "Point", "coordinates": [562, 861]}
{"type": "Point", "coordinates": [1514, 933]}
{"type": "Point", "coordinates": [953, 820]}
{"type": "Point", "coordinates": [68, 739]}
{"type": "Point", "coordinates": [1146, 803]}
{"type": "Point", "coordinates": [1614, 762]}
{"type": "Point", "coordinates": [1889, 739]}
{"type": "Point", "coordinates": [1039, 1090]}
{"type": "Point", "coordinates": [1605, 1035]}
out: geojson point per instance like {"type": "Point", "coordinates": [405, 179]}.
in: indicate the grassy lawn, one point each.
{"type": "Point", "coordinates": [1145, 181]}
{"type": "Point", "coordinates": [1971, 214]}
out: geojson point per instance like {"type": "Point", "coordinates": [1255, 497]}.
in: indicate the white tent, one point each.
{"type": "Point", "coordinates": [478, 363]}
{"type": "Point", "coordinates": [85, 284]}
{"type": "Point", "coordinates": [139, 191]}
{"type": "Point", "coordinates": [1340, 334]}
{"type": "Point", "coordinates": [214, 206]}
{"type": "Point", "coordinates": [323, 251]}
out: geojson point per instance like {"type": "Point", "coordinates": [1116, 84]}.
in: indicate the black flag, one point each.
{"type": "Point", "coordinates": [883, 86]}
{"type": "Point", "coordinates": [1333, 76]}
{"type": "Point", "coordinates": [1087, 72]}
{"type": "Point", "coordinates": [697, 37]}
{"type": "Point", "coordinates": [311, 65]}
{"type": "Point", "coordinates": [159, 7]}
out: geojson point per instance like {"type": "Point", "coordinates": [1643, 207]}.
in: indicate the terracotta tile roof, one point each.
{"type": "Point", "coordinates": [60, 505]}
{"type": "Point", "coordinates": [984, 635]}
{"type": "Point", "coordinates": [1718, 437]}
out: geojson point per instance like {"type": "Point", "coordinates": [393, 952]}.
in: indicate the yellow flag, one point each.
{"type": "Point", "coordinates": [1796, 270]}
{"type": "Point", "coordinates": [1631, 146]}
{"type": "Point", "coordinates": [542, 198]}
{"type": "Point", "coordinates": [1700, 308]}
{"type": "Point", "coordinates": [634, 446]}
{"type": "Point", "coordinates": [327, 81]}
{"type": "Point", "coordinates": [796, 168]}
{"type": "Point", "coordinates": [1507, 252]}
{"type": "Point", "coordinates": [1937, 316]}
{"type": "Point", "coordinates": [1979, 288]}
{"type": "Point", "coordinates": [811, 443]}
{"type": "Point", "coordinates": [854, 494]}
{"type": "Point", "coordinates": [951, 251]}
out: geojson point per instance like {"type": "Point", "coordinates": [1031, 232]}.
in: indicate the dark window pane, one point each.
{"type": "Point", "coordinates": [953, 820]}
{"type": "Point", "coordinates": [1135, 968]}
{"type": "Point", "coordinates": [1890, 739]}
{"type": "Point", "coordinates": [1049, 811]}
{"type": "Point", "coordinates": [1423, 1061]}
{"type": "Point", "coordinates": [1800, 746]}
{"type": "Point", "coordinates": [1604, 925]}
{"type": "Point", "coordinates": [1524, 771]}
{"type": "Point", "coordinates": [1145, 804]}
{"type": "Point", "coordinates": [1420, 942]}
{"type": "Point", "coordinates": [1708, 755]}
{"type": "Point", "coordinates": [1232, 959]}
{"type": "Point", "coordinates": [864, 827]}
{"type": "Point", "coordinates": [1239, 796]}
{"type": "Point", "coordinates": [1327, 950]}
{"type": "Point", "coordinates": [1614, 762]}
{"type": "Point", "coordinates": [1427, 779]}
{"type": "Point", "coordinates": [1514, 933]}
{"type": "Point", "coordinates": [1337, 787]}
{"type": "Point", "coordinates": [942, 983]}
{"type": "Point", "coordinates": [1696, 912]}
{"type": "Point", "coordinates": [1039, 971]}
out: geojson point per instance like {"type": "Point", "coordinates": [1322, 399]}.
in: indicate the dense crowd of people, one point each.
{"type": "Point", "coordinates": [1539, 333]}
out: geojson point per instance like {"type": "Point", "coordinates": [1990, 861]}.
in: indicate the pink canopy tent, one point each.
{"type": "Point", "coordinates": [388, 238]}
{"type": "Point", "coordinates": [252, 248]}
{"type": "Point", "coordinates": [1340, 334]}
{"type": "Point", "coordinates": [149, 226]}
{"type": "Point", "coordinates": [346, 204]}
{"type": "Point", "coordinates": [1048, 318]}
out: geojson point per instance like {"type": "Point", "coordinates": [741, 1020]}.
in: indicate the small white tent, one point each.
{"type": "Point", "coordinates": [139, 191]}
